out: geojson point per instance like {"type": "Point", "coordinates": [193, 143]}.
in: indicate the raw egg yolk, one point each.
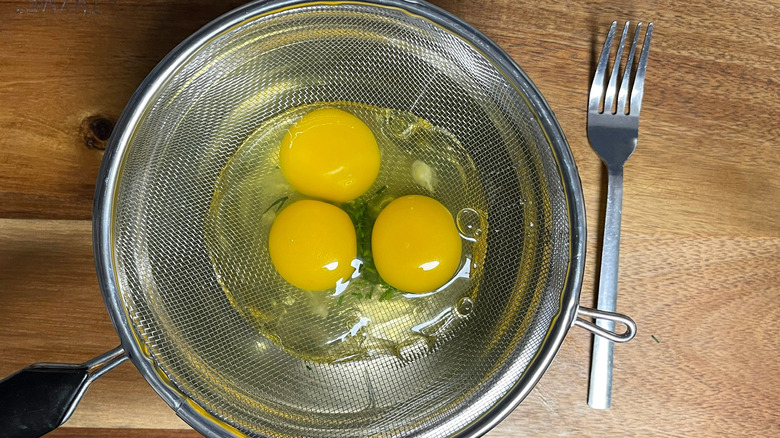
{"type": "Point", "coordinates": [415, 244]}
{"type": "Point", "coordinates": [312, 245]}
{"type": "Point", "coordinates": [330, 154]}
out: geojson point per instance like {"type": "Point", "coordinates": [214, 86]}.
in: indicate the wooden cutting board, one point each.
{"type": "Point", "coordinates": [700, 255]}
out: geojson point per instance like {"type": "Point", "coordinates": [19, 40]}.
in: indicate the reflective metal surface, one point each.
{"type": "Point", "coordinates": [195, 109]}
{"type": "Point", "coordinates": [613, 129]}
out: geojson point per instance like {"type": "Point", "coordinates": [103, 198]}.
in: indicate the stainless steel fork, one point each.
{"type": "Point", "coordinates": [613, 129]}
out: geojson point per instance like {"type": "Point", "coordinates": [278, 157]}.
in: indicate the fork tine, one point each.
{"type": "Point", "coordinates": [597, 88]}
{"type": "Point", "coordinates": [624, 84]}
{"type": "Point", "coordinates": [609, 97]}
{"type": "Point", "coordinates": [639, 80]}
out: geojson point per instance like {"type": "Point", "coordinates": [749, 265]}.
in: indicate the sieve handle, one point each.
{"type": "Point", "coordinates": [42, 396]}
{"type": "Point", "coordinates": [596, 314]}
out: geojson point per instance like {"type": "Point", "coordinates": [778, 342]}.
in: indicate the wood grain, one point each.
{"type": "Point", "coordinates": [51, 310]}
{"type": "Point", "coordinates": [701, 235]}
{"type": "Point", "coordinates": [64, 62]}
{"type": "Point", "coordinates": [84, 432]}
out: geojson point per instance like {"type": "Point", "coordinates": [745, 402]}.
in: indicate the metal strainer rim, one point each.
{"type": "Point", "coordinates": [104, 203]}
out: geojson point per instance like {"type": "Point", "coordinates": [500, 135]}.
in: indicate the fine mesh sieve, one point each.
{"type": "Point", "coordinates": [207, 97]}
{"type": "Point", "coordinates": [326, 52]}
{"type": "Point", "coordinates": [322, 52]}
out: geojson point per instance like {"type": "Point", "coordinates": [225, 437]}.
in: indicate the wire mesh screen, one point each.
{"type": "Point", "coordinates": [370, 55]}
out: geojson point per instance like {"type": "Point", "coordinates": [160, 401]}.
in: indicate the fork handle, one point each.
{"type": "Point", "coordinates": [600, 391]}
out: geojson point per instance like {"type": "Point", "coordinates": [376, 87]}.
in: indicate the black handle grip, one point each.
{"type": "Point", "coordinates": [37, 399]}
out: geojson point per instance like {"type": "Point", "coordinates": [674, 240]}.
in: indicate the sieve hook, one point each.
{"type": "Point", "coordinates": [39, 398]}
{"type": "Point", "coordinates": [609, 316]}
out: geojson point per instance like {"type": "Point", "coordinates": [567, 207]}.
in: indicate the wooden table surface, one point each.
{"type": "Point", "coordinates": [700, 253]}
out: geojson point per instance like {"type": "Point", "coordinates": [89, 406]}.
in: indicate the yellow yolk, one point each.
{"type": "Point", "coordinates": [312, 245]}
{"type": "Point", "coordinates": [330, 154]}
{"type": "Point", "coordinates": [415, 244]}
